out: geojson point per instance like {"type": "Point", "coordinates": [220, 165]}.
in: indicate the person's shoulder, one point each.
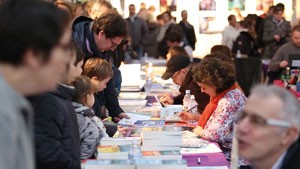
{"type": "Point", "coordinates": [82, 19]}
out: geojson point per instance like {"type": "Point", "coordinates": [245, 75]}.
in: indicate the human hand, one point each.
{"type": "Point", "coordinates": [121, 116]}
{"type": "Point", "coordinates": [283, 64]}
{"type": "Point", "coordinates": [186, 116]}
{"type": "Point", "coordinates": [276, 37]}
{"type": "Point", "coordinates": [166, 99]}
{"type": "Point", "coordinates": [198, 131]}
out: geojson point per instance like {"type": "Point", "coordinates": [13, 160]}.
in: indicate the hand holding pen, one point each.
{"type": "Point", "coordinates": [166, 99]}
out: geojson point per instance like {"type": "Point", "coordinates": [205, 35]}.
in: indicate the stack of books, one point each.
{"type": "Point", "coordinates": [159, 164]}
{"type": "Point", "coordinates": [115, 148]}
{"type": "Point", "coordinates": [109, 164]}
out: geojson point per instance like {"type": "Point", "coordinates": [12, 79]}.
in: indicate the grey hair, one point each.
{"type": "Point", "coordinates": [291, 105]}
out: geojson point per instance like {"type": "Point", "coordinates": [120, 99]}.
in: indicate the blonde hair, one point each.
{"type": "Point", "coordinates": [98, 67]}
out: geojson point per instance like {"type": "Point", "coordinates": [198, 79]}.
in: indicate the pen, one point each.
{"type": "Point", "coordinates": [191, 108]}
{"type": "Point", "coordinates": [198, 160]}
{"type": "Point", "coordinates": [156, 98]}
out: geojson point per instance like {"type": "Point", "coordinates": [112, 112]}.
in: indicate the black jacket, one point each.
{"type": "Point", "coordinates": [56, 130]}
{"type": "Point", "coordinates": [81, 32]}
{"type": "Point", "coordinates": [189, 32]}
{"type": "Point", "coordinates": [189, 84]}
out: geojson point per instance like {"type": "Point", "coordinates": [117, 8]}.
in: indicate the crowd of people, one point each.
{"type": "Point", "coordinates": [59, 82]}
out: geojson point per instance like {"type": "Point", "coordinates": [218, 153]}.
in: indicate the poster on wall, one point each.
{"type": "Point", "coordinates": [236, 4]}
{"type": "Point", "coordinates": [208, 25]}
{"type": "Point", "coordinates": [263, 5]}
{"type": "Point", "coordinates": [207, 5]}
{"type": "Point", "coordinates": [166, 5]}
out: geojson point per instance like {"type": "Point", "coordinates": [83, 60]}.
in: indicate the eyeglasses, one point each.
{"type": "Point", "coordinates": [260, 121]}
{"type": "Point", "coordinates": [113, 43]}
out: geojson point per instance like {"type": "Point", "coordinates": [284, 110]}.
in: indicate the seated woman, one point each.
{"type": "Point", "coordinates": [217, 79]}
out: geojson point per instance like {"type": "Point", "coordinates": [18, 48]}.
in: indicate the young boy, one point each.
{"type": "Point", "coordinates": [56, 128]}
{"type": "Point", "coordinates": [100, 72]}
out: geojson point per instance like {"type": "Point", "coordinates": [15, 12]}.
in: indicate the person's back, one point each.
{"type": "Point", "coordinates": [56, 127]}
{"type": "Point", "coordinates": [16, 116]}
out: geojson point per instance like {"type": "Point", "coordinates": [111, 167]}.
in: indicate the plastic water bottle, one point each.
{"type": "Point", "coordinates": [193, 105]}
{"type": "Point", "coordinates": [148, 85]}
{"type": "Point", "coordinates": [135, 152]}
{"type": "Point", "coordinates": [146, 57]}
{"type": "Point", "coordinates": [193, 108]}
{"type": "Point", "coordinates": [238, 54]}
{"type": "Point", "coordinates": [186, 100]}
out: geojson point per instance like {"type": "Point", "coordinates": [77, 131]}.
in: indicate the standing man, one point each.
{"type": "Point", "coordinates": [268, 129]}
{"type": "Point", "coordinates": [32, 61]}
{"type": "Point", "coordinates": [188, 29]}
{"type": "Point", "coordinates": [276, 32]}
{"type": "Point", "coordinates": [230, 32]}
{"type": "Point", "coordinates": [137, 29]}
{"type": "Point", "coordinates": [96, 39]}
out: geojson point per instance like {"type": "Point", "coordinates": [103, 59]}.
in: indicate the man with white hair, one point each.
{"type": "Point", "coordinates": [268, 129]}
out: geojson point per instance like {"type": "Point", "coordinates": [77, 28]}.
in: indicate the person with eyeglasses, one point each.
{"type": "Point", "coordinates": [98, 38]}
{"type": "Point", "coordinates": [268, 129]}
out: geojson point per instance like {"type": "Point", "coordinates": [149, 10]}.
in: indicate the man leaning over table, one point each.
{"type": "Point", "coordinates": [96, 38]}
{"type": "Point", "coordinates": [268, 129]}
{"type": "Point", "coordinates": [179, 68]}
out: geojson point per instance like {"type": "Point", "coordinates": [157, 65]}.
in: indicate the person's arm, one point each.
{"type": "Point", "coordinates": [219, 126]}
{"type": "Point", "coordinates": [49, 123]}
{"type": "Point", "coordinates": [111, 100]}
{"type": "Point", "coordinates": [278, 60]}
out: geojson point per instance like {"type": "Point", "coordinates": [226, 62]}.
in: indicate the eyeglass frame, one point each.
{"type": "Point", "coordinates": [264, 121]}
{"type": "Point", "coordinates": [113, 43]}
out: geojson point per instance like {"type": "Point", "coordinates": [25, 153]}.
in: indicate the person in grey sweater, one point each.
{"type": "Point", "coordinates": [31, 61]}
{"type": "Point", "coordinates": [281, 57]}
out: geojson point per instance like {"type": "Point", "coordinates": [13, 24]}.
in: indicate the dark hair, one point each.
{"type": "Point", "coordinates": [280, 6]}
{"type": "Point", "coordinates": [278, 9]}
{"type": "Point", "coordinates": [30, 24]}
{"type": "Point", "coordinates": [112, 24]}
{"type": "Point", "coordinates": [296, 28]}
{"type": "Point", "coordinates": [221, 49]}
{"type": "Point", "coordinates": [174, 36]}
{"type": "Point", "coordinates": [83, 87]}
{"type": "Point", "coordinates": [177, 50]}
{"type": "Point", "coordinates": [97, 67]}
{"type": "Point", "coordinates": [230, 17]}
{"type": "Point", "coordinates": [215, 72]}
{"type": "Point", "coordinates": [222, 56]}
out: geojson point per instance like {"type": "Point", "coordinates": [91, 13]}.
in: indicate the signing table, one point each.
{"type": "Point", "coordinates": [146, 103]}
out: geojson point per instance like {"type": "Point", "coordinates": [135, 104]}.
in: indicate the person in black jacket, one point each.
{"type": "Point", "coordinates": [96, 39]}
{"type": "Point", "coordinates": [268, 129]}
{"type": "Point", "coordinates": [179, 69]}
{"type": "Point", "coordinates": [55, 123]}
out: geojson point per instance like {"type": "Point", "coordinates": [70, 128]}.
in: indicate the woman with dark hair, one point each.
{"type": "Point", "coordinates": [217, 79]}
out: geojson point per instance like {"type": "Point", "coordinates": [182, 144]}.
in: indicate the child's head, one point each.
{"type": "Point", "coordinates": [84, 91]}
{"type": "Point", "coordinates": [99, 71]}
{"type": "Point", "coordinates": [74, 68]}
